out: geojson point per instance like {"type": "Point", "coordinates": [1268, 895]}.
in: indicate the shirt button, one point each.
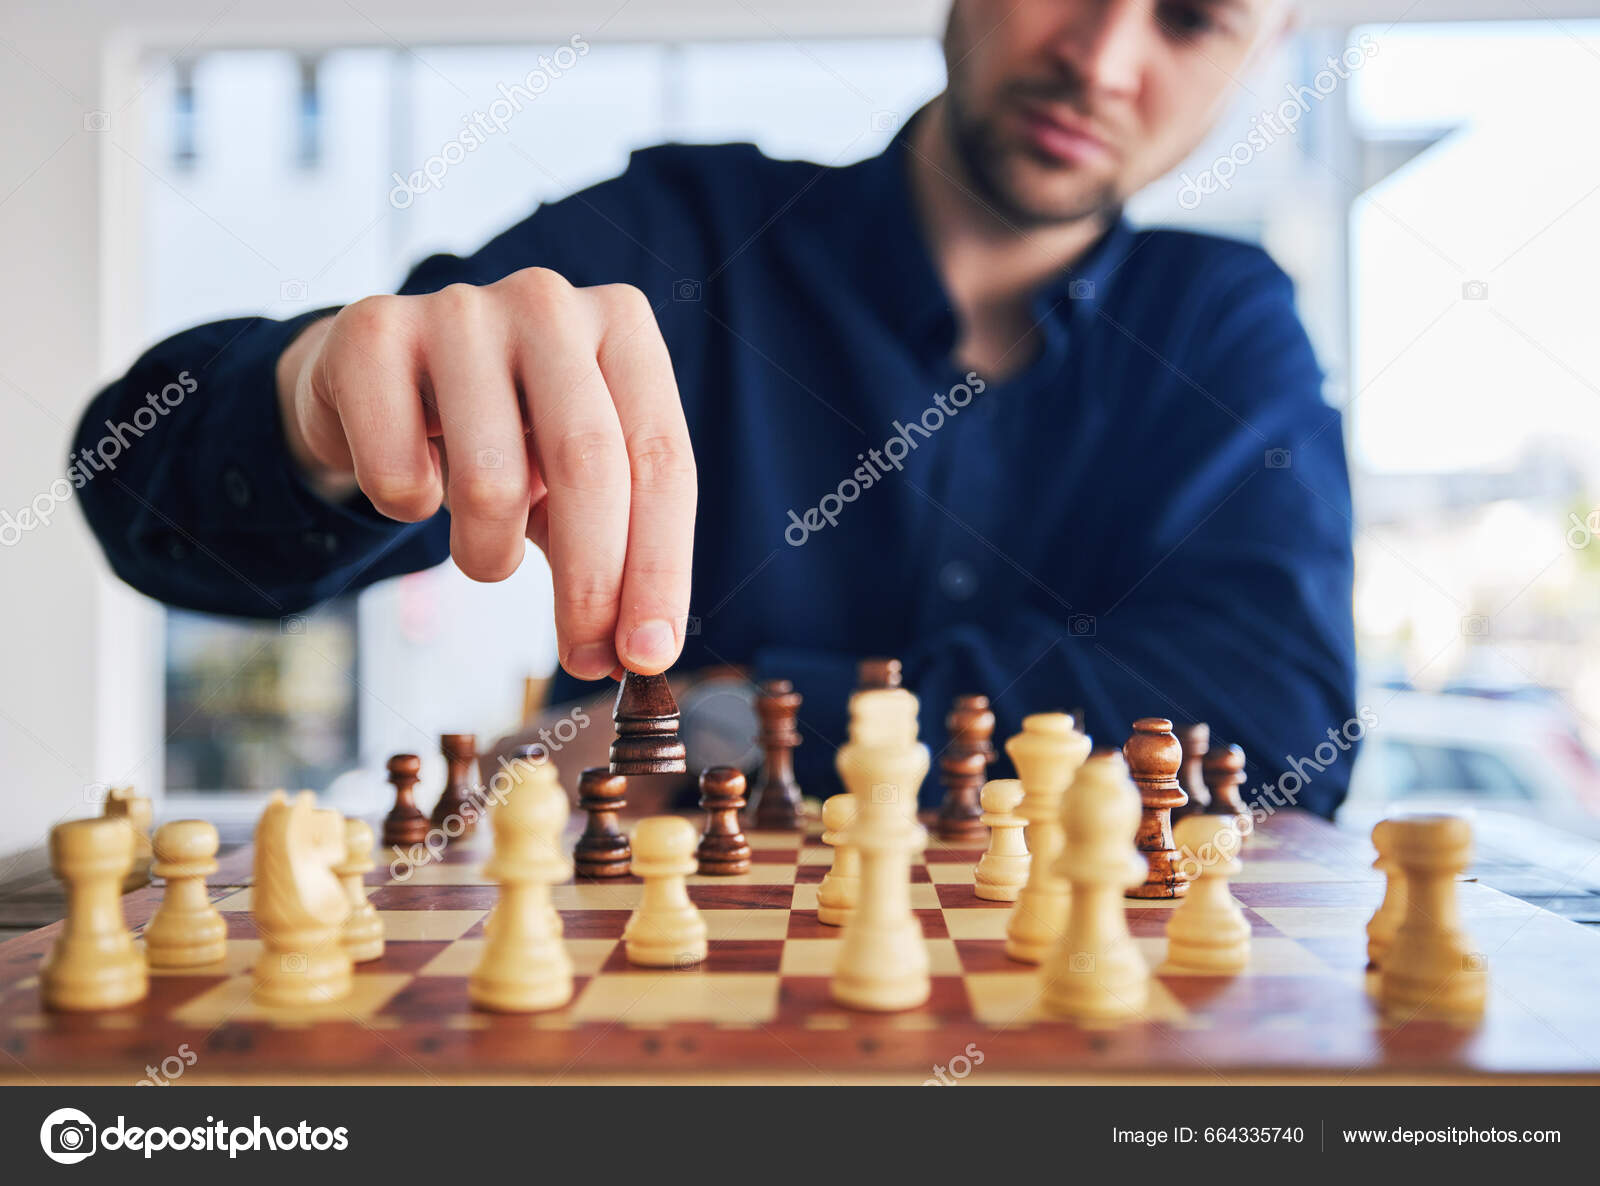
{"type": "Point", "coordinates": [236, 486]}
{"type": "Point", "coordinates": [958, 580]}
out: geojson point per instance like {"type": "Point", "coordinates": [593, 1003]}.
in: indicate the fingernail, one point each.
{"type": "Point", "coordinates": [592, 660]}
{"type": "Point", "coordinates": [652, 644]}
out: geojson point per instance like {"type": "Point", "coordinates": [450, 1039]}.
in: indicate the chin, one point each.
{"type": "Point", "coordinates": [1054, 195]}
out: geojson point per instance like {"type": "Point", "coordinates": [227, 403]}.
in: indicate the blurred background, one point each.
{"type": "Point", "coordinates": [176, 161]}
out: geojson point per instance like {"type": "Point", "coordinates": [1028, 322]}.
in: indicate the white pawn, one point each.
{"type": "Point", "coordinates": [1208, 931]}
{"type": "Point", "coordinates": [525, 966]}
{"type": "Point", "coordinates": [1430, 970]}
{"type": "Point", "coordinates": [1385, 920]}
{"type": "Point", "coordinates": [93, 964]}
{"type": "Point", "coordinates": [363, 930]}
{"type": "Point", "coordinates": [883, 958]}
{"type": "Point", "coordinates": [1095, 973]}
{"type": "Point", "coordinates": [187, 931]}
{"type": "Point", "coordinates": [666, 931]}
{"type": "Point", "coordinates": [299, 905]}
{"type": "Point", "coordinates": [1002, 871]}
{"type": "Point", "coordinates": [1047, 753]}
{"type": "Point", "coordinates": [841, 885]}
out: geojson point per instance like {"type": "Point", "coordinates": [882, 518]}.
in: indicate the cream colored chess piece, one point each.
{"type": "Point", "coordinates": [666, 931]}
{"type": "Point", "coordinates": [140, 814]}
{"type": "Point", "coordinates": [1430, 970]}
{"type": "Point", "coordinates": [1095, 973]}
{"type": "Point", "coordinates": [187, 931]}
{"type": "Point", "coordinates": [1208, 931]}
{"type": "Point", "coordinates": [841, 885]}
{"type": "Point", "coordinates": [93, 964]}
{"type": "Point", "coordinates": [1002, 871]}
{"type": "Point", "coordinates": [363, 929]}
{"type": "Point", "coordinates": [299, 905]}
{"type": "Point", "coordinates": [1386, 919]}
{"type": "Point", "coordinates": [883, 959]}
{"type": "Point", "coordinates": [525, 967]}
{"type": "Point", "coordinates": [1047, 754]}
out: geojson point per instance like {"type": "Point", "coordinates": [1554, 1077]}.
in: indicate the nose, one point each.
{"type": "Point", "coordinates": [1104, 43]}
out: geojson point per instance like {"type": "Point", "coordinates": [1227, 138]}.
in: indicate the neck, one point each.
{"type": "Point", "coordinates": [990, 260]}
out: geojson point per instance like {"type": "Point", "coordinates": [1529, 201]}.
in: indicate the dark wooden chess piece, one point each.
{"type": "Point", "coordinates": [1154, 755]}
{"type": "Point", "coordinates": [602, 850]}
{"type": "Point", "coordinates": [462, 797]}
{"type": "Point", "coordinates": [1196, 742]}
{"type": "Point", "coordinates": [877, 673]}
{"type": "Point", "coordinates": [405, 825]}
{"type": "Point", "coordinates": [962, 767]}
{"type": "Point", "coordinates": [646, 717]}
{"type": "Point", "coordinates": [723, 849]}
{"type": "Point", "coordinates": [777, 795]}
{"type": "Point", "coordinates": [1224, 774]}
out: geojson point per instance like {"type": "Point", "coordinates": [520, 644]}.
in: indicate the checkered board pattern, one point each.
{"type": "Point", "coordinates": [759, 1008]}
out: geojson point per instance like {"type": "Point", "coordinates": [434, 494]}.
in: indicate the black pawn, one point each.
{"type": "Point", "coordinates": [723, 849]}
{"type": "Point", "coordinates": [646, 717]}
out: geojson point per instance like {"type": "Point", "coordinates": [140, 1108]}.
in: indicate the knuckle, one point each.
{"type": "Point", "coordinates": [661, 461]}
{"type": "Point", "coordinates": [400, 497]}
{"type": "Point", "coordinates": [589, 597]}
{"type": "Point", "coordinates": [624, 302]}
{"type": "Point", "coordinates": [491, 498]}
{"type": "Point", "coordinates": [370, 317]}
{"type": "Point", "coordinates": [538, 286]}
{"type": "Point", "coordinates": [457, 302]}
{"type": "Point", "coordinates": [589, 459]}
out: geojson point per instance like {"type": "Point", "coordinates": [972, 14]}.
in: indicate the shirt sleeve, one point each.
{"type": "Point", "coordinates": [184, 476]}
{"type": "Point", "coordinates": [1237, 609]}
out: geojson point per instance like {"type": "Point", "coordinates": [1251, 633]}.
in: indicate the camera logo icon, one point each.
{"type": "Point", "coordinates": [1081, 962]}
{"type": "Point", "coordinates": [1474, 961]}
{"type": "Point", "coordinates": [1080, 290]}
{"type": "Point", "coordinates": [691, 626]}
{"type": "Point", "coordinates": [1475, 290]}
{"type": "Point", "coordinates": [1278, 459]}
{"type": "Point", "coordinates": [884, 121]}
{"type": "Point", "coordinates": [884, 792]}
{"type": "Point", "coordinates": [67, 1136]}
{"type": "Point", "coordinates": [96, 121]}
{"type": "Point", "coordinates": [491, 458]}
{"type": "Point", "coordinates": [686, 290]}
{"type": "Point", "coordinates": [1474, 625]}
{"type": "Point", "coordinates": [294, 962]}
{"type": "Point", "coordinates": [293, 624]}
{"type": "Point", "coordinates": [1081, 625]}
{"type": "Point", "coordinates": [293, 291]}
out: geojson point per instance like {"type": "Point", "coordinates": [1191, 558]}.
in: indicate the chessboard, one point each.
{"type": "Point", "coordinates": [759, 1010]}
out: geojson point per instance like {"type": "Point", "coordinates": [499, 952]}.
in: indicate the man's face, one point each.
{"type": "Point", "coordinates": [1060, 109]}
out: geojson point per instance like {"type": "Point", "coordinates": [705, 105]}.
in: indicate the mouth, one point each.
{"type": "Point", "coordinates": [1061, 136]}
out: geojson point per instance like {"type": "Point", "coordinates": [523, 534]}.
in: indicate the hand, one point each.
{"type": "Point", "coordinates": [531, 409]}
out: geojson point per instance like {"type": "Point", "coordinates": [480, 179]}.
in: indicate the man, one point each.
{"type": "Point", "coordinates": [942, 404]}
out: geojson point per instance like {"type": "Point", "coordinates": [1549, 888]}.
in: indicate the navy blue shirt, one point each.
{"type": "Point", "coordinates": [1151, 518]}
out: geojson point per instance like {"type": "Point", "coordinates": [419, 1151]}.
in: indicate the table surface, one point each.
{"type": "Point", "coordinates": [759, 1009]}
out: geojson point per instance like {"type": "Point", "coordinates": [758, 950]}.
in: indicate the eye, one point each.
{"type": "Point", "coordinates": [1185, 22]}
